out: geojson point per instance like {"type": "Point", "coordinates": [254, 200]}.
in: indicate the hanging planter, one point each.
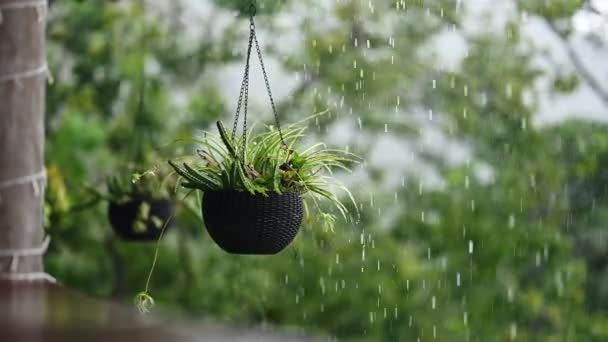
{"type": "Point", "coordinates": [135, 212]}
{"type": "Point", "coordinates": [140, 204]}
{"type": "Point", "coordinates": [253, 184]}
{"type": "Point", "coordinates": [139, 218]}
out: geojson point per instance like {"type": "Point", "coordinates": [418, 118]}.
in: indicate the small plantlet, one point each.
{"type": "Point", "coordinates": [144, 302]}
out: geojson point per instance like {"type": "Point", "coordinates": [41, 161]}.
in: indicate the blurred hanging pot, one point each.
{"type": "Point", "coordinates": [140, 217]}
{"type": "Point", "coordinates": [139, 205]}
{"type": "Point", "coordinates": [244, 223]}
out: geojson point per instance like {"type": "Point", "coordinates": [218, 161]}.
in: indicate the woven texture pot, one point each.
{"type": "Point", "coordinates": [241, 223]}
{"type": "Point", "coordinates": [123, 216]}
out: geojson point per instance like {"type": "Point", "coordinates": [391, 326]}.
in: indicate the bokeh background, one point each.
{"type": "Point", "coordinates": [483, 187]}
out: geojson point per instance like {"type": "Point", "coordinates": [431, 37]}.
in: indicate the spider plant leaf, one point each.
{"type": "Point", "coordinates": [227, 140]}
{"type": "Point", "coordinates": [201, 177]}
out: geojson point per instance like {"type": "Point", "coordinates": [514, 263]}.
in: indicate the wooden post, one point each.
{"type": "Point", "coordinates": [22, 103]}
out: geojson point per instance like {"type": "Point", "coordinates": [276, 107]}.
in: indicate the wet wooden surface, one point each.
{"type": "Point", "coordinates": [41, 311]}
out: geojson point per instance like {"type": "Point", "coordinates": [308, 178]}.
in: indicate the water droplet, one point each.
{"type": "Point", "coordinates": [513, 330]}
{"type": "Point", "coordinates": [470, 246]}
{"type": "Point", "coordinates": [433, 302]}
{"type": "Point", "coordinates": [458, 279]}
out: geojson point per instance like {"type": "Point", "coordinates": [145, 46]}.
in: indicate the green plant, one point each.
{"type": "Point", "coordinates": [266, 162]}
{"type": "Point", "coordinates": [152, 183]}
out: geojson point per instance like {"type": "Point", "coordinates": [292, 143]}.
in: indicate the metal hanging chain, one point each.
{"type": "Point", "coordinates": [244, 92]}
{"type": "Point", "coordinates": [274, 109]}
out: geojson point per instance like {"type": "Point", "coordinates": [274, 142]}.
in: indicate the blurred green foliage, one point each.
{"type": "Point", "coordinates": [519, 254]}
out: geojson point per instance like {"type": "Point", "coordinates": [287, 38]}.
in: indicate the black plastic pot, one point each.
{"type": "Point", "coordinates": [124, 214]}
{"type": "Point", "coordinates": [242, 223]}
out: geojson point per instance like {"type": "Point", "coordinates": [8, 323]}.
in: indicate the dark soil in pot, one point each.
{"type": "Point", "coordinates": [242, 223]}
{"type": "Point", "coordinates": [140, 218]}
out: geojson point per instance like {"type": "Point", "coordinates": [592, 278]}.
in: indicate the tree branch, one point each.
{"type": "Point", "coordinates": [578, 64]}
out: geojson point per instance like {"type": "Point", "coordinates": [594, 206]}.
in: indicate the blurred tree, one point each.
{"type": "Point", "coordinates": [516, 252]}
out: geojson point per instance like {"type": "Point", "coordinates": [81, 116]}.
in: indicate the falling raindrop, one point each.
{"type": "Point", "coordinates": [433, 302]}
{"type": "Point", "coordinates": [458, 279]}
{"type": "Point", "coordinates": [513, 330]}
{"type": "Point", "coordinates": [470, 246]}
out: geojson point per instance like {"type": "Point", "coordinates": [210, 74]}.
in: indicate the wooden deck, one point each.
{"type": "Point", "coordinates": [40, 311]}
